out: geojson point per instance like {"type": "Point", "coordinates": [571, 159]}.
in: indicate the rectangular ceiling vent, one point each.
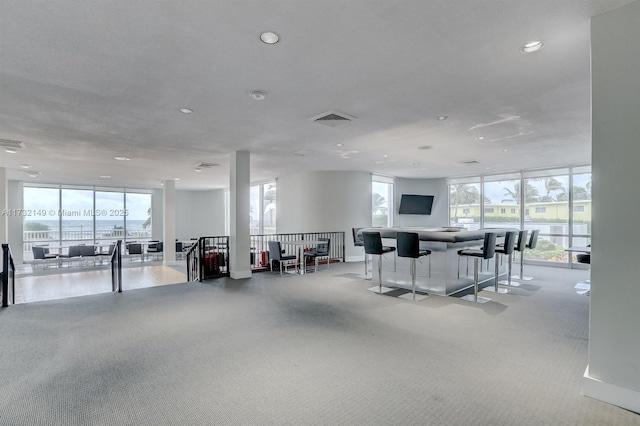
{"type": "Point", "coordinates": [6, 143]}
{"type": "Point", "coordinates": [332, 118]}
{"type": "Point", "coordinates": [303, 152]}
{"type": "Point", "coordinates": [469, 162]}
{"type": "Point", "coordinates": [204, 165]}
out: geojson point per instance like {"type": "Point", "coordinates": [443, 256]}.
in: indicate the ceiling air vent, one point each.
{"type": "Point", "coordinates": [469, 162]}
{"type": "Point", "coordinates": [332, 118]}
{"type": "Point", "coordinates": [204, 165]}
{"type": "Point", "coordinates": [303, 152]}
{"type": "Point", "coordinates": [6, 143]}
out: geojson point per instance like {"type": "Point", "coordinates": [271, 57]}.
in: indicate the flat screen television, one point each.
{"type": "Point", "coordinates": [416, 204]}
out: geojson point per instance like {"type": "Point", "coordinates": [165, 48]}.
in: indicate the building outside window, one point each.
{"type": "Point", "coordinates": [502, 190]}
{"type": "Point", "coordinates": [464, 203]}
{"type": "Point", "coordinates": [555, 201]}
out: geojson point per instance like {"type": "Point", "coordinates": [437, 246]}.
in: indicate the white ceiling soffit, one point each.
{"type": "Point", "coordinates": [332, 118]}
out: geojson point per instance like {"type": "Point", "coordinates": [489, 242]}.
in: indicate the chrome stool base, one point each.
{"type": "Point", "coordinates": [472, 298]}
{"type": "Point", "coordinates": [409, 296]}
{"type": "Point", "coordinates": [380, 290]}
{"type": "Point", "coordinates": [493, 290]}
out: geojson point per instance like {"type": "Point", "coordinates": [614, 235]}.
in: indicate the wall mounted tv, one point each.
{"type": "Point", "coordinates": [416, 204]}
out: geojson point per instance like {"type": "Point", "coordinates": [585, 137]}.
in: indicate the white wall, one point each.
{"type": "Point", "coordinates": [4, 205]}
{"type": "Point", "coordinates": [614, 337]}
{"type": "Point", "coordinates": [325, 201]}
{"type": "Point", "coordinates": [15, 223]}
{"type": "Point", "coordinates": [157, 215]}
{"type": "Point", "coordinates": [436, 187]}
{"type": "Point", "coordinates": [199, 213]}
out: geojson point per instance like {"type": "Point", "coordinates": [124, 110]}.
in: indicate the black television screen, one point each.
{"type": "Point", "coordinates": [416, 204]}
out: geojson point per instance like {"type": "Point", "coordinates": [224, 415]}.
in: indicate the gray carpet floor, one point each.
{"type": "Point", "coordinates": [301, 350]}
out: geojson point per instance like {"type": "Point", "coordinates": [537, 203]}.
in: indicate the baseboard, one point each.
{"type": "Point", "coordinates": [354, 259]}
{"type": "Point", "coordinates": [240, 275]}
{"type": "Point", "coordinates": [621, 397]}
{"type": "Point", "coordinates": [171, 262]}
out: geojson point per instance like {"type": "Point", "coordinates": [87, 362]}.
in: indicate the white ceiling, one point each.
{"type": "Point", "coordinates": [82, 82]}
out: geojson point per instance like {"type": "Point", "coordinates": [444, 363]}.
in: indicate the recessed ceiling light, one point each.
{"type": "Point", "coordinates": [186, 110]}
{"type": "Point", "coordinates": [424, 147]}
{"type": "Point", "coordinates": [122, 158]}
{"type": "Point", "coordinates": [33, 174]}
{"type": "Point", "coordinates": [11, 151]}
{"type": "Point", "coordinates": [176, 178]}
{"type": "Point", "coordinates": [105, 177]}
{"type": "Point", "coordinates": [385, 155]}
{"type": "Point", "coordinates": [480, 138]}
{"type": "Point", "coordinates": [197, 169]}
{"type": "Point", "coordinates": [269, 37]}
{"type": "Point", "coordinates": [339, 144]}
{"type": "Point", "coordinates": [532, 46]}
{"type": "Point", "coordinates": [161, 182]}
{"type": "Point", "coordinates": [257, 95]}
{"type": "Point", "coordinates": [25, 166]}
{"type": "Point", "coordinates": [505, 150]}
{"type": "Point", "coordinates": [441, 117]}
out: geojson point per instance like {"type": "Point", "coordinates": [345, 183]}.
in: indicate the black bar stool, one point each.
{"type": "Point", "coordinates": [506, 248]}
{"type": "Point", "coordinates": [373, 246]}
{"type": "Point", "coordinates": [520, 246]}
{"type": "Point", "coordinates": [533, 241]}
{"type": "Point", "coordinates": [487, 252]}
{"type": "Point", "coordinates": [358, 241]}
{"type": "Point", "coordinates": [584, 288]}
{"type": "Point", "coordinates": [409, 246]}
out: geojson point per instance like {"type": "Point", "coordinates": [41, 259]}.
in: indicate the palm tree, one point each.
{"type": "Point", "coordinates": [582, 193]}
{"type": "Point", "coordinates": [530, 193]}
{"type": "Point", "coordinates": [378, 202]}
{"type": "Point", "coordinates": [270, 202]}
{"type": "Point", "coordinates": [147, 222]}
{"type": "Point", "coordinates": [463, 194]}
{"type": "Point", "coordinates": [553, 185]}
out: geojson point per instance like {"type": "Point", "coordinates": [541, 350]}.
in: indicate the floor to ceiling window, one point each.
{"type": "Point", "coordinates": [262, 209]}
{"type": "Point", "coordinates": [555, 201]}
{"type": "Point", "coordinates": [42, 223]}
{"type": "Point", "coordinates": [581, 207]}
{"type": "Point", "coordinates": [502, 201]}
{"type": "Point", "coordinates": [66, 215]}
{"type": "Point", "coordinates": [381, 201]}
{"type": "Point", "coordinates": [76, 216]}
{"type": "Point", "coordinates": [464, 203]}
{"type": "Point", "coordinates": [109, 227]}
{"type": "Point", "coordinates": [137, 217]}
{"type": "Point", "coordinates": [547, 209]}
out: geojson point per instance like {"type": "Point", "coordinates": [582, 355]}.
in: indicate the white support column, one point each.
{"type": "Point", "coordinates": [4, 218]}
{"type": "Point", "coordinates": [613, 373]}
{"type": "Point", "coordinates": [169, 221]}
{"type": "Point", "coordinates": [239, 241]}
